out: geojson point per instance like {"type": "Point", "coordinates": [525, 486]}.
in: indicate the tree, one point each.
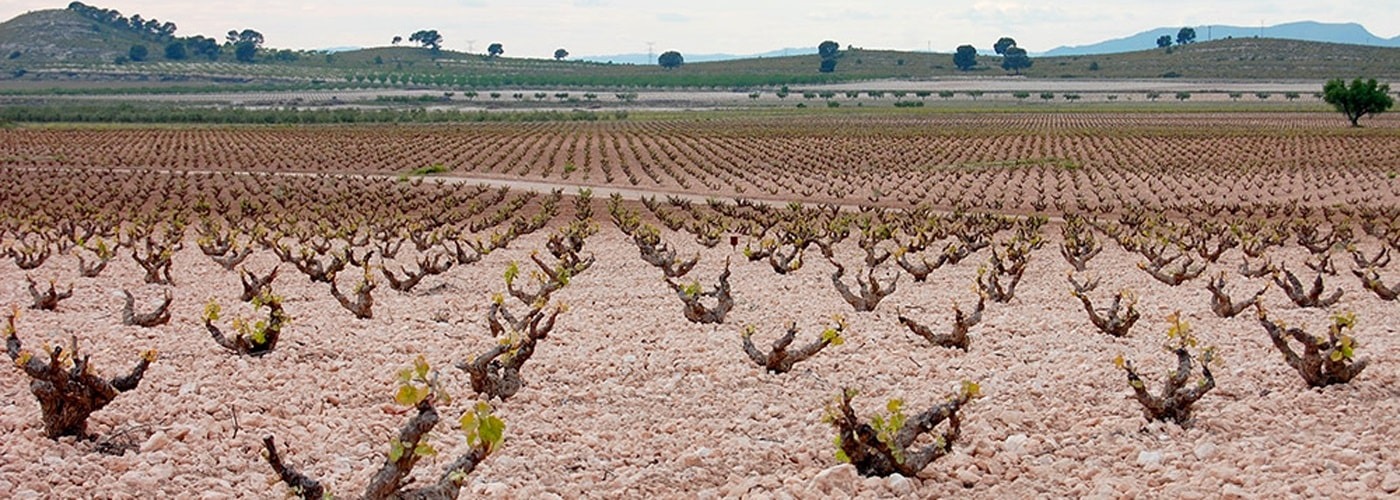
{"type": "Point", "coordinates": [247, 35]}
{"type": "Point", "coordinates": [1359, 99]}
{"type": "Point", "coordinates": [397, 40]}
{"type": "Point", "coordinates": [1015, 60]}
{"type": "Point", "coordinates": [1185, 36]}
{"type": "Point", "coordinates": [245, 44]}
{"type": "Point", "coordinates": [829, 51]}
{"type": "Point", "coordinates": [670, 60]}
{"type": "Point", "coordinates": [1164, 41]}
{"type": "Point", "coordinates": [429, 39]}
{"type": "Point", "coordinates": [175, 51]}
{"type": "Point", "coordinates": [202, 46]}
{"type": "Point", "coordinates": [965, 58]}
{"type": "Point", "coordinates": [245, 51]}
{"type": "Point", "coordinates": [166, 30]}
{"type": "Point", "coordinates": [1002, 44]}
{"type": "Point", "coordinates": [560, 54]}
{"type": "Point", "coordinates": [138, 53]}
{"type": "Point", "coordinates": [495, 50]}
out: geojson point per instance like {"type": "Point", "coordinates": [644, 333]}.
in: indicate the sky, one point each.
{"type": "Point", "coordinates": [535, 28]}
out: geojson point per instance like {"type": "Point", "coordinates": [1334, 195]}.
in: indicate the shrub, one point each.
{"type": "Point", "coordinates": [254, 339]}
{"type": "Point", "coordinates": [691, 295]}
{"type": "Point", "coordinates": [1221, 303]}
{"type": "Point", "coordinates": [418, 389]}
{"type": "Point", "coordinates": [780, 360]}
{"type": "Point", "coordinates": [962, 323]}
{"type": "Point", "coordinates": [1311, 297]}
{"type": "Point", "coordinates": [68, 389]}
{"type": "Point", "coordinates": [47, 300]}
{"type": "Point", "coordinates": [160, 316]}
{"type": "Point", "coordinates": [1111, 321]}
{"type": "Point", "coordinates": [1175, 401]}
{"type": "Point", "coordinates": [1325, 361]}
{"type": "Point", "coordinates": [883, 446]}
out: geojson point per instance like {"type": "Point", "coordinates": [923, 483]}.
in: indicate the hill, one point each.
{"type": "Point", "coordinates": [1340, 33]}
{"type": "Point", "coordinates": [43, 50]}
{"type": "Point", "coordinates": [638, 58]}
{"type": "Point", "coordinates": [63, 35]}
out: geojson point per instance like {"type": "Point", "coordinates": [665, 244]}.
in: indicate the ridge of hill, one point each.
{"type": "Point", "coordinates": [1309, 31]}
{"type": "Point", "coordinates": [56, 45]}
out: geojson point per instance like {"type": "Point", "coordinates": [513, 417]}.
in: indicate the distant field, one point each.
{"type": "Point", "coordinates": [1093, 161]}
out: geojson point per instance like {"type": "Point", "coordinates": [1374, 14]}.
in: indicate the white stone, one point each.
{"type": "Point", "coordinates": [1205, 451]}
{"type": "Point", "coordinates": [156, 442]}
{"type": "Point", "coordinates": [968, 477]}
{"type": "Point", "coordinates": [1233, 491]}
{"type": "Point", "coordinates": [1015, 445]}
{"type": "Point", "coordinates": [900, 485]}
{"type": "Point", "coordinates": [494, 489]}
{"type": "Point", "coordinates": [1149, 457]}
{"type": "Point", "coordinates": [1391, 483]}
{"type": "Point", "coordinates": [839, 478]}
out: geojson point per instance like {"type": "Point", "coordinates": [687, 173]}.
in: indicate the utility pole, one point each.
{"type": "Point", "coordinates": [470, 45]}
{"type": "Point", "coordinates": [651, 52]}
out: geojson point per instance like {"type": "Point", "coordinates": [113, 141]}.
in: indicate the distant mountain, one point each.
{"type": "Point", "coordinates": [694, 58]}
{"type": "Point", "coordinates": [334, 50]}
{"type": "Point", "coordinates": [1344, 33]}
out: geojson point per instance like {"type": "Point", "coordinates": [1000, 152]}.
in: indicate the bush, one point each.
{"type": "Point", "coordinates": [1325, 361]}
{"type": "Point", "coordinates": [1177, 396]}
{"type": "Point", "coordinates": [67, 387]}
{"type": "Point", "coordinates": [882, 447]}
{"type": "Point", "coordinates": [138, 53]}
{"type": "Point", "coordinates": [418, 389]}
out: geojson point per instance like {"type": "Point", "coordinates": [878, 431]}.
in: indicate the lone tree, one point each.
{"type": "Point", "coordinates": [1002, 44]}
{"type": "Point", "coordinates": [138, 53]}
{"type": "Point", "coordinates": [560, 54]}
{"type": "Point", "coordinates": [965, 58]}
{"type": "Point", "coordinates": [495, 50]}
{"type": "Point", "coordinates": [1185, 36]}
{"type": "Point", "coordinates": [829, 51]}
{"type": "Point", "coordinates": [1164, 41]}
{"type": "Point", "coordinates": [1015, 60]}
{"type": "Point", "coordinates": [245, 44]}
{"type": "Point", "coordinates": [429, 39]}
{"type": "Point", "coordinates": [1358, 99]}
{"type": "Point", "coordinates": [397, 40]}
{"type": "Point", "coordinates": [670, 60]}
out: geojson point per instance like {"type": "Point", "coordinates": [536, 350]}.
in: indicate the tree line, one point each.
{"type": "Point", "coordinates": [127, 113]}
{"type": "Point", "coordinates": [242, 44]}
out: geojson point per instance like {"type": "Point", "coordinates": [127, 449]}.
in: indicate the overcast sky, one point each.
{"type": "Point", "coordinates": [534, 28]}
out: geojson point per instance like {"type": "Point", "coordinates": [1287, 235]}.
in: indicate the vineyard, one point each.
{"type": "Point", "coordinates": [999, 306]}
{"type": "Point", "coordinates": [1043, 162]}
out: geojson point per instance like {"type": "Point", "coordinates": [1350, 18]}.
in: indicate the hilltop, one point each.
{"type": "Point", "coordinates": [51, 48]}
{"type": "Point", "coordinates": [1309, 31]}
{"type": "Point", "coordinates": [62, 35]}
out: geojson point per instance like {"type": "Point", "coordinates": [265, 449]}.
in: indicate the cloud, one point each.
{"type": "Point", "coordinates": [671, 17]}
{"type": "Point", "coordinates": [1012, 13]}
{"type": "Point", "coordinates": [847, 15]}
